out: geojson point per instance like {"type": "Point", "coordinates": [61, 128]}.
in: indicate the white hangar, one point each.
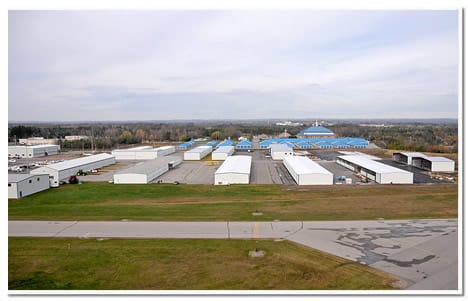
{"type": "Point", "coordinates": [62, 171]}
{"type": "Point", "coordinates": [307, 172]}
{"type": "Point", "coordinates": [198, 153]}
{"type": "Point", "coordinates": [280, 151]}
{"type": "Point", "coordinates": [375, 171]}
{"type": "Point", "coordinates": [145, 172]}
{"type": "Point", "coordinates": [422, 161]}
{"type": "Point", "coordinates": [222, 152]}
{"type": "Point", "coordinates": [142, 153]}
{"type": "Point", "coordinates": [31, 151]}
{"type": "Point", "coordinates": [234, 170]}
{"type": "Point", "coordinates": [21, 185]}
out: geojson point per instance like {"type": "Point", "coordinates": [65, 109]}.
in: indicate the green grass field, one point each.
{"type": "Point", "coordinates": [172, 264]}
{"type": "Point", "coordinates": [166, 202]}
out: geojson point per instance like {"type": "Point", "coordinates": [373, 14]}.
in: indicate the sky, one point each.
{"type": "Point", "coordinates": [164, 65]}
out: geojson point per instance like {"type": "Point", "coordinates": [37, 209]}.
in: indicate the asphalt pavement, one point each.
{"type": "Point", "coordinates": [421, 253]}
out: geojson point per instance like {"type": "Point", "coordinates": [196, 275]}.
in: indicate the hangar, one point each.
{"type": "Point", "coordinates": [307, 172]}
{"type": "Point", "coordinates": [280, 151]}
{"type": "Point", "coordinates": [422, 161]}
{"type": "Point", "coordinates": [31, 151]}
{"type": "Point", "coordinates": [406, 157]}
{"type": "Point", "coordinates": [234, 170]}
{"type": "Point", "coordinates": [222, 152]}
{"type": "Point", "coordinates": [375, 171]}
{"type": "Point", "coordinates": [145, 172]}
{"type": "Point", "coordinates": [316, 131]}
{"type": "Point", "coordinates": [21, 185]}
{"type": "Point", "coordinates": [198, 153]}
{"type": "Point", "coordinates": [63, 170]}
{"type": "Point", "coordinates": [142, 153]}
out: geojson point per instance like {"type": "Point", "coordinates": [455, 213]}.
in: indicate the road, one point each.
{"type": "Point", "coordinates": [421, 253]}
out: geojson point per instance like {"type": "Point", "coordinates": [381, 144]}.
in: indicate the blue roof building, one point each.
{"type": "Point", "coordinates": [245, 144]}
{"type": "Point", "coordinates": [316, 131]}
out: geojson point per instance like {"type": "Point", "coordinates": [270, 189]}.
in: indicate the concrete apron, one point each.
{"type": "Point", "coordinates": [421, 253]}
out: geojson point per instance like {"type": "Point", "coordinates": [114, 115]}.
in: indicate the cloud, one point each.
{"type": "Point", "coordinates": [277, 62]}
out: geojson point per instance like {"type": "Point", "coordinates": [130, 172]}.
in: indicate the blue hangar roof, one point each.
{"type": "Point", "coordinates": [316, 131]}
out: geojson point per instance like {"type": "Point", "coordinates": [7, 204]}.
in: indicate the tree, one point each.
{"type": "Point", "coordinates": [140, 134]}
{"type": "Point", "coordinates": [216, 135]}
{"type": "Point", "coordinates": [185, 138]}
{"type": "Point", "coordinates": [167, 136]}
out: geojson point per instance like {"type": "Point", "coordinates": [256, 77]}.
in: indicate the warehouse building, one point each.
{"type": "Point", "coordinates": [422, 161]}
{"type": "Point", "coordinates": [21, 185]}
{"type": "Point", "coordinates": [222, 152]}
{"type": "Point", "coordinates": [38, 141]}
{"type": "Point", "coordinates": [61, 172]}
{"type": "Point", "coordinates": [306, 172]}
{"type": "Point", "coordinates": [145, 172]}
{"type": "Point", "coordinates": [375, 171]}
{"type": "Point", "coordinates": [32, 151]}
{"type": "Point", "coordinates": [198, 153]}
{"type": "Point", "coordinates": [280, 151]}
{"type": "Point", "coordinates": [234, 170]}
{"type": "Point", "coordinates": [142, 153]}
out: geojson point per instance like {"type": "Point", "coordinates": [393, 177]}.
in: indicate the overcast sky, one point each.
{"type": "Point", "coordinates": [151, 65]}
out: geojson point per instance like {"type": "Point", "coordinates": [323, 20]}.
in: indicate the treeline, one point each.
{"type": "Point", "coordinates": [407, 136]}
{"type": "Point", "coordinates": [435, 138]}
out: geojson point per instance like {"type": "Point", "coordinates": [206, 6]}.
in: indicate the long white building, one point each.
{"type": "Point", "coordinates": [280, 151]}
{"type": "Point", "coordinates": [62, 171]}
{"type": "Point", "coordinates": [234, 170]}
{"type": "Point", "coordinates": [222, 152]}
{"type": "Point", "coordinates": [375, 171]}
{"type": "Point", "coordinates": [198, 153]}
{"type": "Point", "coordinates": [422, 161]}
{"type": "Point", "coordinates": [307, 172]}
{"type": "Point", "coordinates": [147, 171]}
{"type": "Point", "coordinates": [142, 153]}
{"type": "Point", "coordinates": [21, 185]}
{"type": "Point", "coordinates": [32, 151]}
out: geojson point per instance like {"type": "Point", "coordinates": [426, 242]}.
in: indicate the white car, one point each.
{"type": "Point", "coordinates": [12, 160]}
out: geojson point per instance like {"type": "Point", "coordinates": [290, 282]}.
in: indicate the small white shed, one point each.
{"type": "Point", "coordinates": [222, 152]}
{"type": "Point", "coordinates": [21, 185]}
{"type": "Point", "coordinates": [234, 170]}
{"type": "Point", "coordinates": [307, 172]}
{"type": "Point", "coordinates": [198, 153]}
{"type": "Point", "coordinates": [280, 151]}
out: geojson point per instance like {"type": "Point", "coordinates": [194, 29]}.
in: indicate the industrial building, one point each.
{"type": "Point", "coordinates": [142, 153]}
{"type": "Point", "coordinates": [422, 161]}
{"type": "Point", "coordinates": [38, 141]}
{"type": "Point", "coordinates": [198, 153]}
{"type": "Point", "coordinates": [32, 151]}
{"type": "Point", "coordinates": [222, 152]}
{"type": "Point", "coordinates": [280, 151]}
{"type": "Point", "coordinates": [76, 138]}
{"type": "Point", "coordinates": [307, 172]}
{"type": "Point", "coordinates": [62, 171]}
{"type": "Point", "coordinates": [375, 171]}
{"type": "Point", "coordinates": [21, 185]}
{"type": "Point", "coordinates": [234, 170]}
{"type": "Point", "coordinates": [145, 172]}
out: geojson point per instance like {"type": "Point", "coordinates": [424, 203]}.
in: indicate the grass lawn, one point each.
{"type": "Point", "coordinates": [176, 264]}
{"type": "Point", "coordinates": [167, 202]}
